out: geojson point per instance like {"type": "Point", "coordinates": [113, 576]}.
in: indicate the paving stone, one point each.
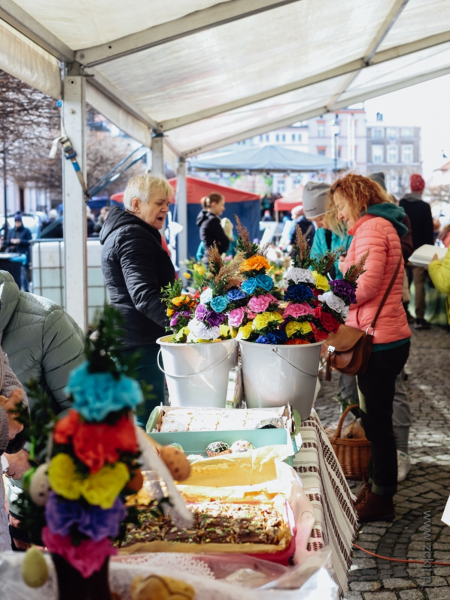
{"type": "Point", "coordinates": [439, 593]}
{"type": "Point", "coordinates": [365, 586]}
{"type": "Point", "coordinates": [395, 583]}
{"type": "Point", "coordinates": [353, 596]}
{"type": "Point", "coordinates": [411, 595]}
{"type": "Point", "coordinates": [380, 596]}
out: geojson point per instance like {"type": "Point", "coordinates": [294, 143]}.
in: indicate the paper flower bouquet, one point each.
{"type": "Point", "coordinates": [180, 308]}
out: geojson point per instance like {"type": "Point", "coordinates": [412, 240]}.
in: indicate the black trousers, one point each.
{"type": "Point", "coordinates": [376, 396]}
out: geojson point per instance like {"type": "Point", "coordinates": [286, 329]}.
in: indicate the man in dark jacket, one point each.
{"type": "Point", "coordinates": [136, 267]}
{"type": "Point", "coordinates": [18, 241]}
{"type": "Point", "coordinates": [307, 227]}
{"type": "Point", "coordinates": [419, 213]}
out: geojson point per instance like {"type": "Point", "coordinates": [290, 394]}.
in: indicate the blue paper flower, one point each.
{"type": "Point", "coordinates": [97, 394]}
{"type": "Point", "coordinates": [235, 294]}
{"type": "Point", "coordinates": [249, 286]}
{"type": "Point", "coordinates": [93, 521]}
{"type": "Point", "coordinates": [219, 303]}
{"type": "Point", "coordinates": [275, 337]}
{"type": "Point", "coordinates": [298, 293]}
{"type": "Point", "coordinates": [265, 282]}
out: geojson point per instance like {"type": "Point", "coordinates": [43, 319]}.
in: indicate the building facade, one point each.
{"type": "Point", "coordinates": [394, 150]}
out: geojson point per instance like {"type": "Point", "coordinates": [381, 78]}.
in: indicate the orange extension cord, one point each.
{"type": "Point", "coordinates": [420, 562]}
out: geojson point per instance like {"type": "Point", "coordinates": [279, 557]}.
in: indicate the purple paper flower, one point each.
{"type": "Point", "coordinates": [344, 290]}
{"type": "Point", "coordinates": [215, 319]}
{"type": "Point", "coordinates": [201, 312]}
{"type": "Point", "coordinates": [177, 316]}
{"type": "Point", "coordinates": [93, 521]}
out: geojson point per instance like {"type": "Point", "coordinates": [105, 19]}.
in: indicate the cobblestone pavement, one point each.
{"type": "Point", "coordinates": [421, 498]}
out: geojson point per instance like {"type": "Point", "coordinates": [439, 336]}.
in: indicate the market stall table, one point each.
{"type": "Point", "coordinates": [336, 523]}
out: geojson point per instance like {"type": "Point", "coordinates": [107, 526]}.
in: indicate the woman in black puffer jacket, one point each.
{"type": "Point", "coordinates": [208, 220]}
{"type": "Point", "coordinates": [136, 267]}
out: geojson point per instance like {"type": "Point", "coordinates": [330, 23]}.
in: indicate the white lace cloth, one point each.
{"type": "Point", "coordinates": [318, 587]}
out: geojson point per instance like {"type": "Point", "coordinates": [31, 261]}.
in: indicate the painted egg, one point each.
{"type": "Point", "coordinates": [40, 486]}
{"type": "Point", "coordinates": [34, 568]}
{"type": "Point", "coordinates": [136, 482]}
{"type": "Point", "coordinates": [176, 462]}
{"type": "Point", "coordinates": [242, 446]}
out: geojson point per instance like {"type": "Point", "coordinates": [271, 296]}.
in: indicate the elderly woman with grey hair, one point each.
{"type": "Point", "coordinates": [136, 266]}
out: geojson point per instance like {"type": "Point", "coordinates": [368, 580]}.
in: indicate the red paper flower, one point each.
{"type": "Point", "coordinates": [329, 323]}
{"type": "Point", "coordinates": [66, 427]}
{"type": "Point", "coordinates": [296, 342]}
{"type": "Point", "coordinates": [96, 444]}
{"type": "Point", "coordinates": [319, 334]}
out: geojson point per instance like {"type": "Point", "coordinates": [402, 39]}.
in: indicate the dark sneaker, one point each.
{"type": "Point", "coordinates": [422, 324]}
{"type": "Point", "coordinates": [375, 508]}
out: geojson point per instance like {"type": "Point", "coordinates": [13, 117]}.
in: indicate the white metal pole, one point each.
{"type": "Point", "coordinates": [75, 226]}
{"type": "Point", "coordinates": [158, 155]}
{"type": "Point", "coordinates": [181, 198]}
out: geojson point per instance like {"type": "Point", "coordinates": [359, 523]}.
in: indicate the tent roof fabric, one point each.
{"type": "Point", "coordinates": [197, 68]}
{"type": "Point", "coordinates": [199, 188]}
{"type": "Point", "coordinates": [291, 200]}
{"type": "Point", "coordinates": [267, 158]}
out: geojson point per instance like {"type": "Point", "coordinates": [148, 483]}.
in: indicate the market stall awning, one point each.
{"type": "Point", "coordinates": [267, 158]}
{"type": "Point", "coordinates": [211, 73]}
{"type": "Point", "coordinates": [291, 200]}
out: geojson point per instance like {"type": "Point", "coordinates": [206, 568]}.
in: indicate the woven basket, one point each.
{"type": "Point", "coordinates": [352, 454]}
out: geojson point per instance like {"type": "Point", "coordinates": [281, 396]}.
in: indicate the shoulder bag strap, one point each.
{"type": "Point", "coordinates": [386, 294]}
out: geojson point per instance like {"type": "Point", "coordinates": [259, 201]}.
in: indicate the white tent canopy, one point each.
{"type": "Point", "coordinates": [211, 73]}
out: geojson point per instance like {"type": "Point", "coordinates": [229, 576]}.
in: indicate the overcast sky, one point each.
{"type": "Point", "coordinates": [426, 105]}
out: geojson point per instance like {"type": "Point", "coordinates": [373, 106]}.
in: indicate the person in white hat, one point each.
{"type": "Point", "coordinates": [314, 206]}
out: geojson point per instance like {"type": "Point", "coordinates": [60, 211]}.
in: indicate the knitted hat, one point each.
{"type": "Point", "coordinates": [314, 199]}
{"type": "Point", "coordinates": [379, 178]}
{"type": "Point", "coordinates": [18, 217]}
{"type": "Point", "coordinates": [417, 183]}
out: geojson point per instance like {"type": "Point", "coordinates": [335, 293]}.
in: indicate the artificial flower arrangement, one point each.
{"type": "Point", "coordinates": [256, 317]}
{"type": "Point", "coordinates": [195, 272]}
{"type": "Point", "coordinates": [221, 295]}
{"type": "Point", "coordinates": [180, 308]}
{"type": "Point", "coordinates": [74, 502]}
{"type": "Point", "coordinates": [317, 306]}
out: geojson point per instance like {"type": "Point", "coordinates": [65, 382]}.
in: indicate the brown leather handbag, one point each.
{"type": "Point", "coordinates": [349, 349]}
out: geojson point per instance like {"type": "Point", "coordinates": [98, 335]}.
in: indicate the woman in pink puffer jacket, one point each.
{"type": "Point", "coordinates": [376, 225]}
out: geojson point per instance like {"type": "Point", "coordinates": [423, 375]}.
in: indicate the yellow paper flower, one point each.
{"type": "Point", "coordinates": [63, 477]}
{"type": "Point", "coordinates": [200, 269]}
{"type": "Point", "coordinates": [262, 320]}
{"type": "Point", "coordinates": [184, 332]}
{"type": "Point", "coordinates": [103, 488]}
{"type": "Point", "coordinates": [255, 263]}
{"type": "Point", "coordinates": [293, 327]}
{"type": "Point", "coordinates": [234, 332]}
{"type": "Point", "coordinates": [321, 281]}
{"type": "Point", "coordinates": [181, 300]}
{"type": "Point", "coordinates": [224, 331]}
{"type": "Point", "coordinates": [187, 275]}
{"type": "Point", "coordinates": [245, 331]}
{"type": "Point", "coordinates": [170, 312]}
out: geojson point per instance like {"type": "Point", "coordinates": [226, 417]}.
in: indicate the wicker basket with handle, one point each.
{"type": "Point", "coordinates": [352, 454]}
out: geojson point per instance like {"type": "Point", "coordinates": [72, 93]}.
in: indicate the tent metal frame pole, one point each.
{"type": "Point", "coordinates": [75, 225]}
{"type": "Point", "coordinates": [158, 155]}
{"type": "Point", "coordinates": [190, 24]}
{"type": "Point", "coordinates": [182, 214]}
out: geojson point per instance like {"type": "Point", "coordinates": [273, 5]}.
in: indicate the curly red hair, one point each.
{"type": "Point", "coordinates": [359, 191]}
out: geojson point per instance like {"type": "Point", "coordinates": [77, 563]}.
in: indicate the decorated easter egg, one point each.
{"type": "Point", "coordinates": [216, 448]}
{"type": "Point", "coordinates": [40, 486]}
{"type": "Point", "coordinates": [176, 462]}
{"type": "Point", "coordinates": [34, 568]}
{"type": "Point", "coordinates": [136, 482]}
{"type": "Point", "coordinates": [242, 446]}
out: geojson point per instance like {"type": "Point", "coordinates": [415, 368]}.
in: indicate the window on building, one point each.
{"type": "Point", "coordinates": [267, 137]}
{"type": "Point", "coordinates": [408, 153]}
{"type": "Point", "coordinates": [299, 137]}
{"type": "Point", "coordinates": [392, 154]}
{"type": "Point", "coordinates": [321, 130]}
{"type": "Point", "coordinates": [261, 138]}
{"type": "Point", "coordinates": [392, 133]}
{"type": "Point", "coordinates": [283, 137]}
{"type": "Point", "coordinates": [277, 137]}
{"type": "Point", "coordinates": [407, 132]}
{"type": "Point", "coordinates": [377, 132]}
{"type": "Point", "coordinates": [281, 186]}
{"type": "Point", "coordinates": [321, 150]}
{"type": "Point", "coordinates": [377, 153]}
{"type": "Point", "coordinates": [293, 137]}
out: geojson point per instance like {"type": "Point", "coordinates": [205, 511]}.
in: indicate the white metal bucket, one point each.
{"type": "Point", "coordinates": [279, 375]}
{"type": "Point", "coordinates": [197, 374]}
